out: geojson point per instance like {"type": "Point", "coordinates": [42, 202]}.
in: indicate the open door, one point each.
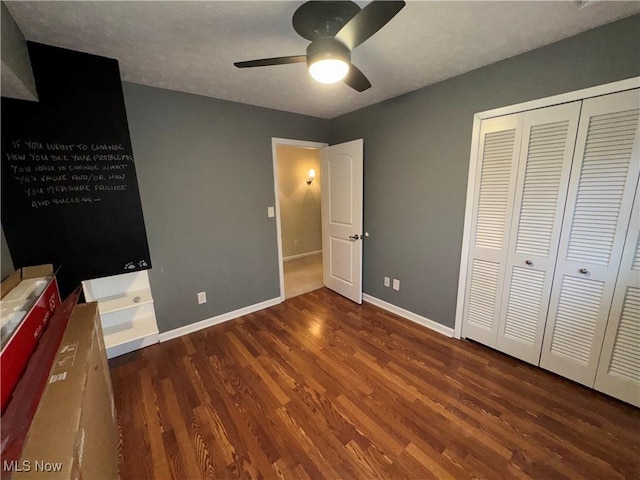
{"type": "Point", "coordinates": [342, 169]}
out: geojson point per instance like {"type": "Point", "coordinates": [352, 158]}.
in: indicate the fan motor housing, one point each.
{"type": "Point", "coordinates": [314, 20]}
{"type": "Point", "coordinates": [325, 48]}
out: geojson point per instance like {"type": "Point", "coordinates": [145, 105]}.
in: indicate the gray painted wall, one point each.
{"type": "Point", "coordinates": [16, 77]}
{"type": "Point", "coordinates": [205, 175]}
{"type": "Point", "coordinates": [6, 263]}
{"type": "Point", "coordinates": [417, 155]}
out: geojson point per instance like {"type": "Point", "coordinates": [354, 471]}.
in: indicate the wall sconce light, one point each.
{"type": "Point", "coordinates": [312, 175]}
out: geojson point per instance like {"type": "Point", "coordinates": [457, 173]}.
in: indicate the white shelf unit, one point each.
{"type": "Point", "coordinates": [126, 311]}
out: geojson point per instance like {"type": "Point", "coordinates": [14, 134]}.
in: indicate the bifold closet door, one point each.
{"type": "Point", "coordinates": [601, 190]}
{"type": "Point", "coordinates": [619, 367]}
{"type": "Point", "coordinates": [493, 204]}
{"type": "Point", "coordinates": [548, 139]}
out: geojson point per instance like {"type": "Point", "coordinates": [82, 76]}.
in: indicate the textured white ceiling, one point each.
{"type": "Point", "coordinates": [191, 46]}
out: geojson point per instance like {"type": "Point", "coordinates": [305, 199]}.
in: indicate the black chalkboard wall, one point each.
{"type": "Point", "coordinates": [69, 188]}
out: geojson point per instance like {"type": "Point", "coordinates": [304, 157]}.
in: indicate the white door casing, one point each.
{"type": "Point", "coordinates": [498, 153]}
{"type": "Point", "coordinates": [546, 152]}
{"type": "Point", "coordinates": [619, 366]}
{"type": "Point", "coordinates": [342, 192]}
{"type": "Point", "coordinates": [600, 197]}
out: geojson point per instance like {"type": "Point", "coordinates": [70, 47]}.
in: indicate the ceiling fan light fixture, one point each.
{"type": "Point", "coordinates": [335, 28]}
{"type": "Point", "coordinates": [329, 70]}
{"type": "Point", "coordinates": [328, 60]}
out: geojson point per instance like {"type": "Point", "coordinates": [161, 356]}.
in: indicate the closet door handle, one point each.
{"type": "Point", "coordinates": [354, 237]}
{"type": "Point", "coordinates": [528, 262]}
{"type": "Point", "coordinates": [583, 271]}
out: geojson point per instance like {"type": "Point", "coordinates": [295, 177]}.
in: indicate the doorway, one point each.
{"type": "Point", "coordinates": [298, 193]}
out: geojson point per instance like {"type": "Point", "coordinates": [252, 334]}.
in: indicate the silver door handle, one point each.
{"type": "Point", "coordinates": [583, 271]}
{"type": "Point", "coordinates": [354, 237]}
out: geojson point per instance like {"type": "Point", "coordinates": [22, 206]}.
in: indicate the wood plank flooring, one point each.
{"type": "Point", "coordinates": [321, 388]}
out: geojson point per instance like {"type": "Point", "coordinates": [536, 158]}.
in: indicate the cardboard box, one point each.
{"type": "Point", "coordinates": [22, 407]}
{"type": "Point", "coordinates": [17, 417]}
{"type": "Point", "coordinates": [22, 341]}
{"type": "Point", "coordinates": [73, 433]}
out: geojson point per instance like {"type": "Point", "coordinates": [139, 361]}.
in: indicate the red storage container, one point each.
{"type": "Point", "coordinates": [20, 343]}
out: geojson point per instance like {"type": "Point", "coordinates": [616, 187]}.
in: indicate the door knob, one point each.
{"type": "Point", "coordinates": [528, 262]}
{"type": "Point", "coordinates": [354, 237]}
{"type": "Point", "coordinates": [583, 271]}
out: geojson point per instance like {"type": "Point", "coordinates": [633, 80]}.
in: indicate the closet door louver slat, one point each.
{"type": "Point", "coordinates": [498, 151]}
{"type": "Point", "coordinates": [482, 295]}
{"type": "Point", "coordinates": [600, 197]}
{"type": "Point", "coordinates": [576, 318]}
{"type": "Point", "coordinates": [494, 190]}
{"type": "Point", "coordinates": [619, 366]}
{"type": "Point", "coordinates": [549, 136]}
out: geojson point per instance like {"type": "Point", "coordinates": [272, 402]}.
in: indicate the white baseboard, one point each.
{"type": "Point", "coordinates": [225, 317]}
{"type": "Point", "coordinates": [414, 317]}
{"type": "Point", "coordinates": [300, 255]}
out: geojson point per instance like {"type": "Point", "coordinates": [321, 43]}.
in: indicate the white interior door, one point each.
{"type": "Point", "coordinates": [549, 135]}
{"type": "Point", "coordinates": [619, 367]}
{"type": "Point", "coordinates": [601, 191]}
{"type": "Point", "coordinates": [342, 171]}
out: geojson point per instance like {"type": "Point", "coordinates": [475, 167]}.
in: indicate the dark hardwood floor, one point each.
{"type": "Point", "coordinates": [319, 387]}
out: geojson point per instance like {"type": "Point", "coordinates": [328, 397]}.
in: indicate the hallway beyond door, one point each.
{"type": "Point", "coordinates": [302, 275]}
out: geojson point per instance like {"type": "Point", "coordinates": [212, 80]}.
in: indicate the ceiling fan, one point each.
{"type": "Point", "coordinates": [334, 28]}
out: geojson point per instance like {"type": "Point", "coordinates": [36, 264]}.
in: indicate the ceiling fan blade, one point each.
{"type": "Point", "coordinates": [367, 22]}
{"type": "Point", "coordinates": [356, 79]}
{"type": "Point", "coordinates": [265, 62]}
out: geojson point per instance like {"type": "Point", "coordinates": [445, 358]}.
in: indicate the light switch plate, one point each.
{"type": "Point", "coordinates": [271, 212]}
{"type": "Point", "coordinates": [396, 284]}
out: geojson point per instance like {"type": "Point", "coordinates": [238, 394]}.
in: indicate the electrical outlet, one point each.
{"type": "Point", "coordinates": [387, 281]}
{"type": "Point", "coordinates": [202, 298]}
{"type": "Point", "coordinates": [396, 284]}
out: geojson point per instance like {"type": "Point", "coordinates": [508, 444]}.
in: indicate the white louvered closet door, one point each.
{"type": "Point", "coordinates": [619, 367]}
{"type": "Point", "coordinates": [601, 190]}
{"type": "Point", "coordinates": [493, 204]}
{"type": "Point", "coordinates": [548, 139]}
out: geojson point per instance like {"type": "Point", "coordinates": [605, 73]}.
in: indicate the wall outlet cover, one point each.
{"type": "Point", "coordinates": [387, 281]}
{"type": "Point", "coordinates": [202, 298]}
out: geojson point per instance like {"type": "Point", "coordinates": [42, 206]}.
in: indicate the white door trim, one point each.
{"type": "Point", "coordinates": [596, 91]}
{"type": "Point", "coordinates": [274, 153]}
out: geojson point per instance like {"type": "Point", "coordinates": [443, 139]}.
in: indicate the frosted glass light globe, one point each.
{"type": "Point", "coordinates": [329, 70]}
